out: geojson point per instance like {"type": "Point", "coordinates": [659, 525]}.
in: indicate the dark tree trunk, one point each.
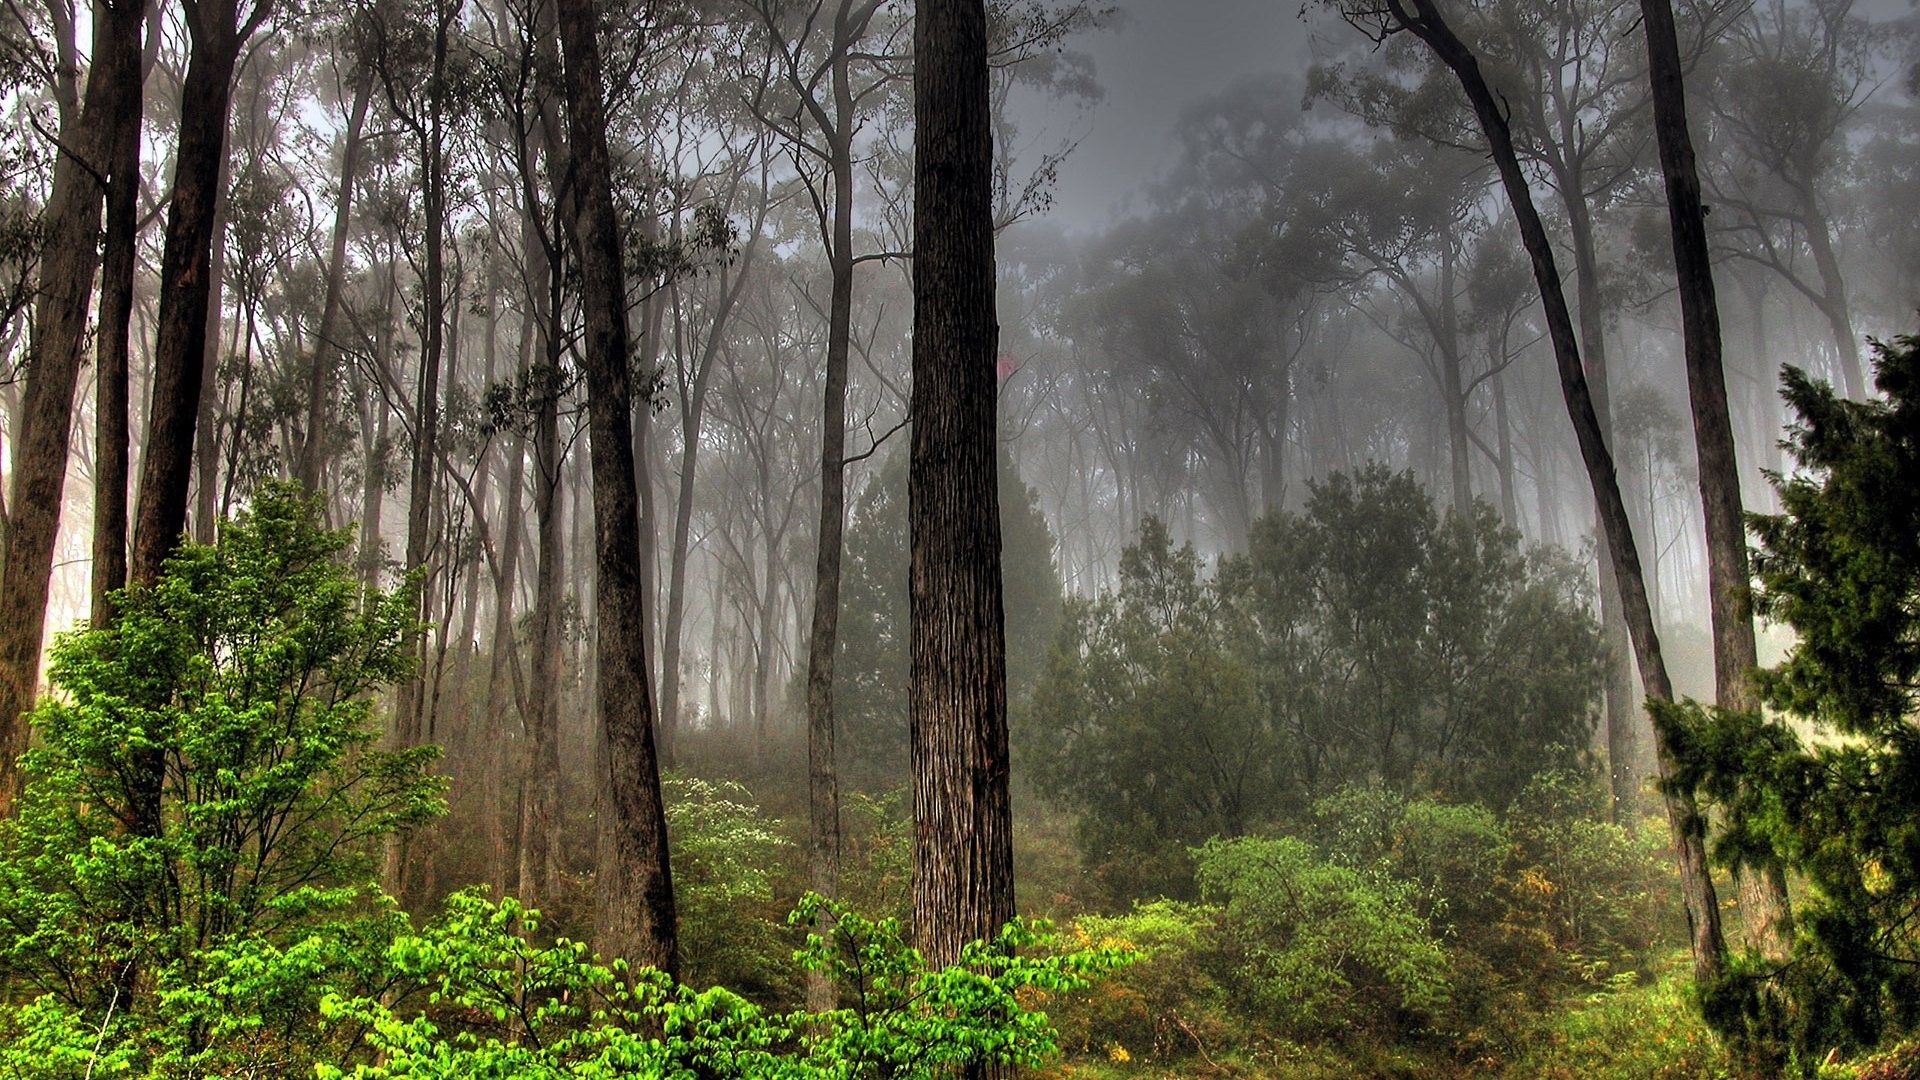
{"type": "Point", "coordinates": [823, 778]}
{"type": "Point", "coordinates": [963, 844]}
{"type": "Point", "coordinates": [180, 338]}
{"type": "Point", "coordinates": [72, 223]}
{"type": "Point", "coordinates": [1684, 817]}
{"type": "Point", "coordinates": [1762, 892]}
{"type": "Point", "coordinates": [634, 911]}
{"type": "Point", "coordinates": [325, 352]}
{"type": "Point", "coordinates": [117, 267]}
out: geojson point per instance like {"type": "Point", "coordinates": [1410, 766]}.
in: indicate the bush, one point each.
{"type": "Point", "coordinates": [184, 873]}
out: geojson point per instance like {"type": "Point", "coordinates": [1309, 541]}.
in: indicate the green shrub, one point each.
{"type": "Point", "coordinates": [1318, 947]}
{"type": "Point", "coordinates": [500, 1006]}
{"type": "Point", "coordinates": [725, 856]}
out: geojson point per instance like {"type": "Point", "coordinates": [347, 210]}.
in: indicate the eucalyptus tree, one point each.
{"type": "Point", "coordinates": [962, 807]}
{"type": "Point", "coordinates": [634, 914]}
{"type": "Point", "coordinates": [1789, 83]}
{"type": "Point", "coordinates": [91, 145]}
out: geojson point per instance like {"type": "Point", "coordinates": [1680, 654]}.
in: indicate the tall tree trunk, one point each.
{"type": "Point", "coordinates": [1683, 815]}
{"type": "Point", "coordinates": [1762, 891]}
{"type": "Point", "coordinates": [180, 339]}
{"type": "Point", "coordinates": [325, 352]}
{"type": "Point", "coordinates": [634, 911]}
{"type": "Point", "coordinates": [823, 778]}
{"type": "Point", "coordinates": [426, 408]}
{"type": "Point", "coordinates": [72, 223]}
{"type": "Point", "coordinates": [963, 825]}
{"type": "Point", "coordinates": [1833, 288]}
{"type": "Point", "coordinates": [118, 263]}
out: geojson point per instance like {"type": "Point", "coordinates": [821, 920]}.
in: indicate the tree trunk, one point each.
{"type": "Point", "coordinates": [320, 378]}
{"type": "Point", "coordinates": [963, 843]}
{"type": "Point", "coordinates": [180, 339]}
{"type": "Point", "coordinates": [634, 911]}
{"type": "Point", "coordinates": [823, 779]}
{"type": "Point", "coordinates": [1622, 706]}
{"type": "Point", "coordinates": [1684, 817]}
{"type": "Point", "coordinates": [1763, 895]}
{"type": "Point", "coordinates": [426, 408]}
{"type": "Point", "coordinates": [118, 264]}
{"type": "Point", "coordinates": [72, 223]}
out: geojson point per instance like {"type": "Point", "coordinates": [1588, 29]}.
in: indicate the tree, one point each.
{"type": "Point", "coordinates": [634, 913]}
{"type": "Point", "coordinates": [248, 669]}
{"type": "Point", "coordinates": [1422, 19]}
{"type": "Point", "coordinates": [962, 809]}
{"type": "Point", "coordinates": [1366, 637]}
{"type": "Point", "coordinates": [1840, 565]}
{"type": "Point", "coordinates": [89, 146]}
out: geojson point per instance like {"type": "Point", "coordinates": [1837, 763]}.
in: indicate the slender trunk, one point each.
{"type": "Point", "coordinates": [1763, 895]}
{"type": "Point", "coordinates": [206, 453]}
{"type": "Point", "coordinates": [325, 352]}
{"type": "Point", "coordinates": [634, 911]}
{"type": "Point", "coordinates": [1623, 713]}
{"type": "Point", "coordinates": [1833, 288]}
{"type": "Point", "coordinates": [426, 408]}
{"type": "Point", "coordinates": [540, 784]}
{"type": "Point", "coordinates": [118, 264]}
{"type": "Point", "coordinates": [823, 779]}
{"type": "Point", "coordinates": [1509, 502]}
{"type": "Point", "coordinates": [72, 222]}
{"type": "Point", "coordinates": [1683, 815]}
{"type": "Point", "coordinates": [963, 843]}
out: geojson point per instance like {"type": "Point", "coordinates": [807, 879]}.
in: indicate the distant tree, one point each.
{"type": "Point", "coordinates": [1364, 639]}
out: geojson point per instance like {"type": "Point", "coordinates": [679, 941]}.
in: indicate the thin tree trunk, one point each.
{"type": "Point", "coordinates": [320, 378]}
{"type": "Point", "coordinates": [118, 264]}
{"type": "Point", "coordinates": [1763, 894]}
{"type": "Point", "coordinates": [634, 913]}
{"type": "Point", "coordinates": [963, 843]}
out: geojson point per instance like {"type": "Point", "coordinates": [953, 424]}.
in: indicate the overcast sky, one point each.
{"type": "Point", "coordinates": [1167, 54]}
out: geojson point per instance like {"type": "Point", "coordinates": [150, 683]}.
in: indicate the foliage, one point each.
{"type": "Point", "coordinates": [204, 799]}
{"type": "Point", "coordinates": [725, 857]}
{"type": "Point", "coordinates": [1390, 928]}
{"type": "Point", "coordinates": [1841, 566]}
{"type": "Point", "coordinates": [502, 1006]}
{"type": "Point", "coordinates": [1364, 638]}
{"type": "Point", "coordinates": [1624, 1031]}
{"type": "Point", "coordinates": [1320, 947]}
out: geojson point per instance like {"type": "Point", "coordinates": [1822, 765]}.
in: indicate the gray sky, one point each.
{"type": "Point", "coordinates": [1169, 53]}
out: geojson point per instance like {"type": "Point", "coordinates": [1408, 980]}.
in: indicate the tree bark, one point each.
{"type": "Point", "coordinates": [963, 850]}
{"type": "Point", "coordinates": [823, 779]}
{"type": "Point", "coordinates": [634, 913]}
{"type": "Point", "coordinates": [1684, 817]}
{"type": "Point", "coordinates": [72, 222]}
{"type": "Point", "coordinates": [180, 338]}
{"type": "Point", "coordinates": [118, 264]}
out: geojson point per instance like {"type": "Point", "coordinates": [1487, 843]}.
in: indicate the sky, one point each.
{"type": "Point", "coordinates": [1166, 54]}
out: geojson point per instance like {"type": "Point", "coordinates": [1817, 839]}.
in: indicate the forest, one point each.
{"type": "Point", "coordinates": [698, 539]}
